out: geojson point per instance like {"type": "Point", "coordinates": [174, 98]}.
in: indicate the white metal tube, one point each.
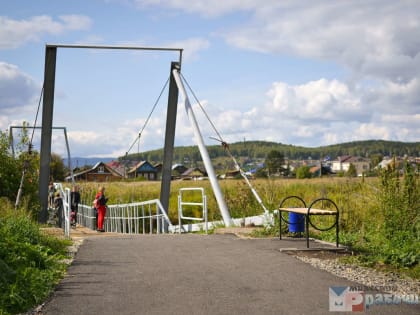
{"type": "Point", "coordinates": [68, 156]}
{"type": "Point", "coordinates": [66, 210]}
{"type": "Point", "coordinates": [204, 154]}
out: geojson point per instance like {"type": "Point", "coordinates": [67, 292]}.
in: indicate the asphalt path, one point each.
{"type": "Point", "coordinates": [195, 274]}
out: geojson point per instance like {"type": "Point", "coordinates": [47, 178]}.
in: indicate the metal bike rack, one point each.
{"type": "Point", "coordinates": [308, 212]}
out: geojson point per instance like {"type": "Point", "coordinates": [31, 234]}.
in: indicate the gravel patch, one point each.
{"type": "Point", "coordinates": [371, 279]}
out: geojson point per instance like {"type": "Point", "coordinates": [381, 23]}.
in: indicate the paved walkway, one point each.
{"type": "Point", "coordinates": [194, 274]}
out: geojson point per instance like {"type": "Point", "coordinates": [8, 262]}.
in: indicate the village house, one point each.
{"type": "Point", "coordinates": [342, 164]}
{"type": "Point", "coordinates": [318, 171]}
{"type": "Point", "coordinates": [159, 169]}
{"type": "Point", "coordinates": [177, 170]}
{"type": "Point", "coordinates": [143, 169]}
{"type": "Point", "coordinates": [193, 173]}
{"type": "Point", "coordinates": [100, 172]}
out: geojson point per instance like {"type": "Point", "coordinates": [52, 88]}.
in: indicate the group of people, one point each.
{"type": "Point", "coordinates": [55, 201]}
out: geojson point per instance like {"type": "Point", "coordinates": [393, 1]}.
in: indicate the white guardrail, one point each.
{"type": "Point", "coordinates": [147, 217]}
{"type": "Point", "coordinates": [132, 218]}
{"type": "Point", "coordinates": [65, 196]}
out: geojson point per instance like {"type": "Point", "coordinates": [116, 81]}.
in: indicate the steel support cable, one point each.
{"type": "Point", "coordinates": [26, 162]}
{"type": "Point", "coordinates": [36, 116]}
{"type": "Point", "coordinates": [148, 118]}
{"type": "Point", "coordinates": [226, 148]}
{"type": "Point", "coordinates": [202, 108]}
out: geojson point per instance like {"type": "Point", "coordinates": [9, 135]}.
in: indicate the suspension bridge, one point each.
{"type": "Point", "coordinates": [141, 216]}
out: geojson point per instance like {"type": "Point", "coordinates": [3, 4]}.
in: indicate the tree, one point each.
{"type": "Point", "coordinates": [351, 172]}
{"type": "Point", "coordinates": [9, 171]}
{"type": "Point", "coordinates": [274, 162]}
{"type": "Point", "coordinates": [261, 173]}
{"type": "Point", "coordinates": [303, 172]}
{"type": "Point", "coordinates": [375, 159]}
{"type": "Point", "coordinates": [13, 170]}
{"type": "Point", "coordinates": [57, 168]}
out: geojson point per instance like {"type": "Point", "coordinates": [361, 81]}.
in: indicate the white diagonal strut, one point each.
{"type": "Point", "coordinates": [204, 154]}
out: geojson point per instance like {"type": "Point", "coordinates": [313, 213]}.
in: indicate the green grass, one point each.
{"type": "Point", "coordinates": [30, 262]}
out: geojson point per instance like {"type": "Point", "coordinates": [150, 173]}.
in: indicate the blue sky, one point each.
{"type": "Point", "coordinates": [306, 73]}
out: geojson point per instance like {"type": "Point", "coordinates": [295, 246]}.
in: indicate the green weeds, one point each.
{"type": "Point", "coordinates": [30, 262]}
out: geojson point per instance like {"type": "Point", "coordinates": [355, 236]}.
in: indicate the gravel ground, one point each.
{"type": "Point", "coordinates": [389, 281]}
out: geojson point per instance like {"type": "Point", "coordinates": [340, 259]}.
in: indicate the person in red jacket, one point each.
{"type": "Point", "coordinates": [101, 207]}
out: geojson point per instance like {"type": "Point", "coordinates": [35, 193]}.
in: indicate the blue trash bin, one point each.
{"type": "Point", "coordinates": [296, 222]}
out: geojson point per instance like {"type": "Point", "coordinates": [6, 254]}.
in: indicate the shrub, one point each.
{"type": "Point", "coordinates": [30, 262]}
{"type": "Point", "coordinates": [303, 172]}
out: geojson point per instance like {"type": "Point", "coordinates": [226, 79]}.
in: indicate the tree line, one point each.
{"type": "Point", "coordinates": [258, 150]}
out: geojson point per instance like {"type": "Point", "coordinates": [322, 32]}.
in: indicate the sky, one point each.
{"type": "Point", "coordinates": [305, 73]}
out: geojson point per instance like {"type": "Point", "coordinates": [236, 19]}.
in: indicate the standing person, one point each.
{"type": "Point", "coordinates": [58, 205]}
{"type": "Point", "coordinates": [51, 192]}
{"type": "Point", "coordinates": [74, 203]}
{"type": "Point", "coordinates": [101, 207]}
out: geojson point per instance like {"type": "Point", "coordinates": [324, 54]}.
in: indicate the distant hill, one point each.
{"type": "Point", "coordinates": [259, 149]}
{"type": "Point", "coordinates": [83, 161]}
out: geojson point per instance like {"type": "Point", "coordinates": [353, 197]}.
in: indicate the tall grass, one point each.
{"type": "Point", "coordinates": [353, 196]}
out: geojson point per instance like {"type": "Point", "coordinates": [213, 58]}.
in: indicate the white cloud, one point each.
{"type": "Point", "coordinates": [397, 98]}
{"type": "Point", "coordinates": [191, 46]}
{"type": "Point", "coordinates": [374, 39]}
{"type": "Point", "coordinates": [328, 111]}
{"type": "Point", "coordinates": [320, 100]}
{"type": "Point", "coordinates": [75, 22]}
{"type": "Point", "coordinates": [19, 94]}
{"type": "Point", "coordinates": [371, 39]}
{"type": "Point", "coordinates": [405, 119]}
{"type": "Point", "coordinates": [259, 123]}
{"type": "Point", "coordinates": [115, 142]}
{"type": "Point", "coordinates": [17, 89]}
{"type": "Point", "coordinates": [201, 7]}
{"type": "Point", "coordinates": [15, 33]}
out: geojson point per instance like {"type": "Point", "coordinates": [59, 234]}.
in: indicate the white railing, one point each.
{"type": "Point", "coordinates": [86, 216]}
{"type": "Point", "coordinates": [65, 215]}
{"type": "Point", "coordinates": [131, 218]}
{"type": "Point", "coordinates": [202, 205]}
{"type": "Point", "coordinates": [137, 218]}
{"type": "Point", "coordinates": [145, 217]}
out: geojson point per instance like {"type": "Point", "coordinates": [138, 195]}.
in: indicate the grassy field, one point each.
{"type": "Point", "coordinates": [352, 195]}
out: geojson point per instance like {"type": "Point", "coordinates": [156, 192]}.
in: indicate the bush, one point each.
{"type": "Point", "coordinates": [11, 173]}
{"type": "Point", "coordinates": [400, 204]}
{"type": "Point", "coordinates": [303, 172]}
{"type": "Point", "coordinates": [30, 262]}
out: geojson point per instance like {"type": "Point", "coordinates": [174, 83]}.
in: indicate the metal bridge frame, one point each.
{"type": "Point", "coordinates": [12, 145]}
{"type": "Point", "coordinates": [47, 120]}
